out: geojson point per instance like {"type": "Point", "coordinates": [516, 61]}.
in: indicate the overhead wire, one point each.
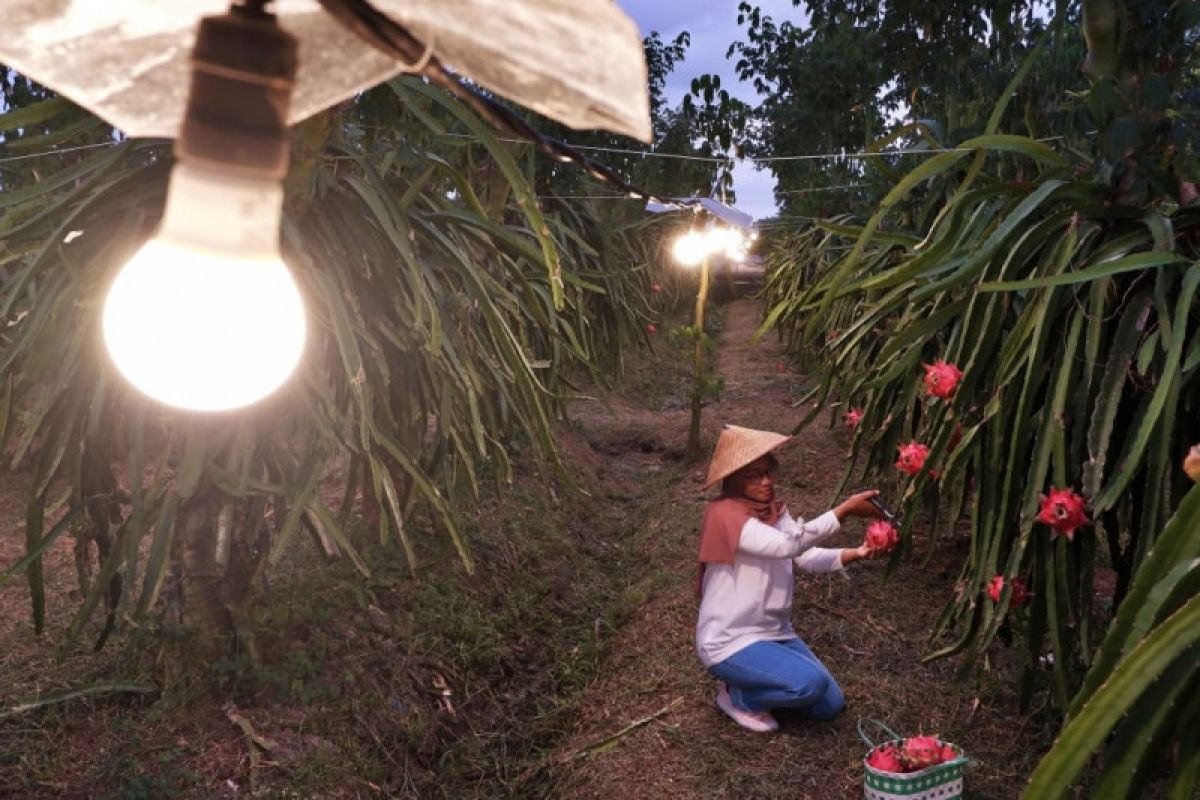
{"type": "Point", "coordinates": [39, 154]}
{"type": "Point", "coordinates": [842, 154]}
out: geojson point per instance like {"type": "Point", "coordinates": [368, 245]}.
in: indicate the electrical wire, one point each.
{"type": "Point", "coordinates": [584, 197]}
{"type": "Point", "coordinates": [622, 151]}
{"type": "Point", "coordinates": [7, 159]}
{"type": "Point", "coordinates": [822, 189]}
{"type": "Point", "coordinates": [924, 151]}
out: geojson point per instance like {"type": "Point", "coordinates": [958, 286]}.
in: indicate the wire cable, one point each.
{"type": "Point", "coordinates": [7, 159]}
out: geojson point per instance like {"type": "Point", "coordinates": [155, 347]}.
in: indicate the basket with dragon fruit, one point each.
{"type": "Point", "coordinates": [921, 767]}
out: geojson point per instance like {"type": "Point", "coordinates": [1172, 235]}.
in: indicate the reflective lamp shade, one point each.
{"type": "Point", "coordinates": [206, 316]}
{"type": "Point", "coordinates": [580, 62]}
{"type": "Point", "coordinates": [690, 248]}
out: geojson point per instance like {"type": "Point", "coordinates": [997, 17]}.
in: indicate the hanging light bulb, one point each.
{"type": "Point", "coordinates": [690, 248]}
{"type": "Point", "coordinates": [206, 316]}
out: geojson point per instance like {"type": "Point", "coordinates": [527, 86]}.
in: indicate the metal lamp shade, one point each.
{"type": "Point", "coordinates": [577, 61]}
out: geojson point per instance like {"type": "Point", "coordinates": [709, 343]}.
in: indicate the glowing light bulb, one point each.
{"type": "Point", "coordinates": [690, 248]}
{"type": "Point", "coordinates": [206, 316]}
{"type": "Point", "coordinates": [726, 240]}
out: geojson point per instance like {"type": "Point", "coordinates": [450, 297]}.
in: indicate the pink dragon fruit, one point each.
{"type": "Point", "coordinates": [1062, 510]}
{"type": "Point", "coordinates": [882, 535]}
{"type": "Point", "coordinates": [941, 379]}
{"type": "Point", "coordinates": [995, 588]}
{"type": "Point", "coordinates": [853, 417]}
{"type": "Point", "coordinates": [1020, 593]}
{"type": "Point", "coordinates": [948, 753]}
{"type": "Point", "coordinates": [1191, 463]}
{"type": "Point", "coordinates": [912, 458]}
{"type": "Point", "coordinates": [921, 752]}
{"type": "Point", "coordinates": [885, 759]}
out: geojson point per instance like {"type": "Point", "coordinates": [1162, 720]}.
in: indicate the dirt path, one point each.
{"type": "Point", "coordinates": [870, 631]}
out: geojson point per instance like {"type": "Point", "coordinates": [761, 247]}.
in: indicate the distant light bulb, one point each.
{"type": "Point", "coordinates": [726, 240]}
{"type": "Point", "coordinates": [206, 316]}
{"type": "Point", "coordinates": [690, 248]}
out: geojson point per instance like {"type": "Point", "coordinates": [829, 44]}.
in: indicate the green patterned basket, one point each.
{"type": "Point", "coordinates": [940, 782]}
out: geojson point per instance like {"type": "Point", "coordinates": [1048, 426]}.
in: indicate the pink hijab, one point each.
{"type": "Point", "coordinates": [721, 529]}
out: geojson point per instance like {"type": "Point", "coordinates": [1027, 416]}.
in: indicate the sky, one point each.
{"type": "Point", "coordinates": [713, 27]}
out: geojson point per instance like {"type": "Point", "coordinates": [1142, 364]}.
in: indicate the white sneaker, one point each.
{"type": "Point", "coordinates": [757, 721]}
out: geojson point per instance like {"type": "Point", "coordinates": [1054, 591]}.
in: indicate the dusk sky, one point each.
{"type": "Point", "coordinates": [713, 27]}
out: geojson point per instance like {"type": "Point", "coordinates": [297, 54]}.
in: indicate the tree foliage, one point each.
{"type": "Point", "coordinates": [857, 70]}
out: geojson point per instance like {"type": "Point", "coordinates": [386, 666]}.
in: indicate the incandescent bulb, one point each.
{"type": "Point", "coordinates": [690, 248]}
{"type": "Point", "coordinates": [206, 316]}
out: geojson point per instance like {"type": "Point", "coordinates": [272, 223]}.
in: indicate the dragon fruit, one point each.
{"type": "Point", "coordinates": [921, 752]}
{"type": "Point", "coordinates": [911, 755]}
{"type": "Point", "coordinates": [995, 588]}
{"type": "Point", "coordinates": [941, 379]}
{"type": "Point", "coordinates": [885, 759]}
{"type": "Point", "coordinates": [912, 458]}
{"type": "Point", "coordinates": [1062, 510]}
{"type": "Point", "coordinates": [651, 328]}
{"type": "Point", "coordinates": [882, 535]}
{"type": "Point", "coordinates": [1020, 593]}
{"type": "Point", "coordinates": [1191, 464]}
{"type": "Point", "coordinates": [655, 288]}
{"type": "Point", "coordinates": [853, 417]}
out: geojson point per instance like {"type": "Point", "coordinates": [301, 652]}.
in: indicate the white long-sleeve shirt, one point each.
{"type": "Point", "coordinates": [751, 600]}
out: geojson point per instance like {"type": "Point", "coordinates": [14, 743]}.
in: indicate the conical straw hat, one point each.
{"type": "Point", "coordinates": [737, 447]}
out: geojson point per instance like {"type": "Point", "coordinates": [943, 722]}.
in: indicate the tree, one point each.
{"type": "Point", "coordinates": [862, 75]}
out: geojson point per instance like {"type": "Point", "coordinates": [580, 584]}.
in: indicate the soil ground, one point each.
{"type": "Point", "coordinates": [563, 668]}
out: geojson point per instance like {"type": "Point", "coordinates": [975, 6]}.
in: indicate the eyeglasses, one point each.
{"type": "Point", "coordinates": [756, 475]}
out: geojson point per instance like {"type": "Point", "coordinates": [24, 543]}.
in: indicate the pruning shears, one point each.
{"type": "Point", "coordinates": [887, 512]}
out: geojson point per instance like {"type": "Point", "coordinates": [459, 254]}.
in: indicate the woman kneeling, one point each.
{"type": "Point", "coordinates": [748, 546]}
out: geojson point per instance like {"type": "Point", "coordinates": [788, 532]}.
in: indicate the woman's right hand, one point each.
{"type": "Point", "coordinates": [859, 505]}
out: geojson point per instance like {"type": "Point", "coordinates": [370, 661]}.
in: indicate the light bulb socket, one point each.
{"type": "Point", "coordinates": [243, 71]}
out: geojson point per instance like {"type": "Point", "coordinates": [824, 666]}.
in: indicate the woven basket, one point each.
{"type": "Point", "coordinates": [940, 782]}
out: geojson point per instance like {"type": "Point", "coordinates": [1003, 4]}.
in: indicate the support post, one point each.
{"type": "Point", "coordinates": [698, 362]}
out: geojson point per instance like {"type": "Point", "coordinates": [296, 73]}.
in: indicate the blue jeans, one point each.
{"type": "Point", "coordinates": [782, 674]}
